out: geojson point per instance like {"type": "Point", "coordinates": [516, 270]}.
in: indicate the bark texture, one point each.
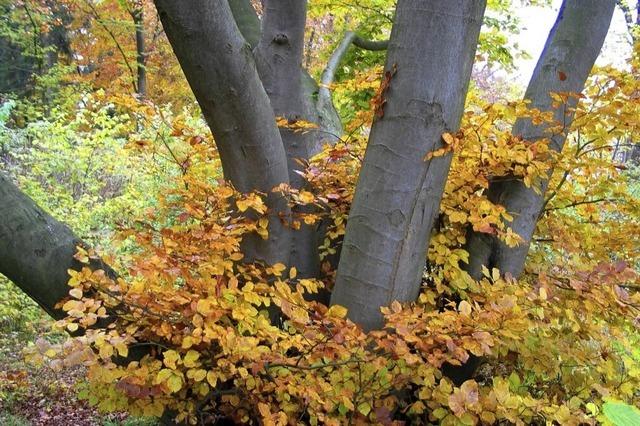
{"type": "Point", "coordinates": [564, 65]}
{"type": "Point", "coordinates": [279, 56]}
{"type": "Point", "coordinates": [432, 46]}
{"type": "Point", "coordinates": [36, 250]}
{"type": "Point", "coordinates": [220, 69]}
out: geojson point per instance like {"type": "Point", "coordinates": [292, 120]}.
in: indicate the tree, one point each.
{"type": "Point", "coordinates": [569, 54]}
{"type": "Point", "coordinates": [392, 213]}
{"type": "Point", "coordinates": [255, 96]}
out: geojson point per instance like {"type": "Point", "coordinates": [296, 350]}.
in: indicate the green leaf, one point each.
{"type": "Point", "coordinates": [621, 414]}
{"type": "Point", "coordinates": [364, 408]}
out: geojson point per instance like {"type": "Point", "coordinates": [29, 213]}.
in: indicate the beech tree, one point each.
{"type": "Point", "coordinates": [242, 90]}
{"type": "Point", "coordinates": [196, 296]}
{"type": "Point", "coordinates": [566, 61]}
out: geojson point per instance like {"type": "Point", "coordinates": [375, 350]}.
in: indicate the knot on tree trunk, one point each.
{"type": "Point", "coordinates": [281, 39]}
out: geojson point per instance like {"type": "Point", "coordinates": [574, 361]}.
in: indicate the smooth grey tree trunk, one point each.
{"type": "Point", "coordinates": [432, 46]}
{"type": "Point", "coordinates": [569, 54]}
{"type": "Point", "coordinates": [36, 251]}
{"type": "Point", "coordinates": [220, 69]}
{"type": "Point", "coordinates": [279, 56]}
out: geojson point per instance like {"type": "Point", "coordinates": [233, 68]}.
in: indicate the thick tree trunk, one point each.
{"type": "Point", "coordinates": [569, 54]}
{"type": "Point", "coordinates": [432, 46]}
{"type": "Point", "coordinates": [36, 251]}
{"type": "Point", "coordinates": [220, 69]}
{"type": "Point", "coordinates": [279, 56]}
{"type": "Point", "coordinates": [327, 117]}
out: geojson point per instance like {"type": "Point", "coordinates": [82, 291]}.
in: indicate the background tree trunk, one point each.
{"type": "Point", "coordinates": [279, 56]}
{"type": "Point", "coordinates": [141, 59]}
{"type": "Point", "coordinates": [432, 46]}
{"type": "Point", "coordinates": [564, 65]}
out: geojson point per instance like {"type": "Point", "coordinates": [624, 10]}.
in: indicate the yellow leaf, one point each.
{"type": "Point", "coordinates": [76, 292]}
{"type": "Point", "coordinates": [204, 307]}
{"type": "Point", "coordinates": [197, 374]}
{"type": "Point", "coordinates": [448, 138]}
{"type": "Point", "coordinates": [306, 197]}
{"type": "Point", "coordinates": [187, 342]}
{"type": "Point", "coordinates": [543, 293]}
{"type": "Point", "coordinates": [236, 256]}
{"type": "Point", "coordinates": [243, 205]}
{"type": "Point", "coordinates": [163, 375]}
{"type": "Point", "coordinates": [337, 311]}
{"type": "Point", "coordinates": [73, 305]}
{"type": "Point", "coordinates": [464, 308]}
{"type": "Point", "coordinates": [212, 378]}
{"type": "Point", "coordinates": [264, 410]}
{"type": "Point", "coordinates": [191, 358]}
{"type": "Point", "coordinates": [170, 359]}
{"type": "Point", "coordinates": [174, 383]}
{"type": "Point", "coordinates": [278, 268]}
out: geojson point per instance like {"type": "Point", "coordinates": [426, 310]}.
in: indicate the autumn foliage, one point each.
{"type": "Point", "coordinates": [189, 327]}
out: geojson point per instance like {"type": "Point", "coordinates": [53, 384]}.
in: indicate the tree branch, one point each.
{"type": "Point", "coordinates": [628, 18]}
{"type": "Point", "coordinates": [329, 73]}
{"type": "Point", "coordinates": [36, 250]}
{"type": "Point", "coordinates": [221, 71]}
{"type": "Point", "coordinates": [374, 45]}
{"type": "Point", "coordinates": [580, 203]}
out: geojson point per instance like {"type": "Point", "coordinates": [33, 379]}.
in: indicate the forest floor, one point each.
{"type": "Point", "coordinates": [39, 396]}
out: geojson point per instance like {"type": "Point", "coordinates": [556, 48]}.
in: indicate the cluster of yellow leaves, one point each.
{"type": "Point", "coordinates": [190, 327]}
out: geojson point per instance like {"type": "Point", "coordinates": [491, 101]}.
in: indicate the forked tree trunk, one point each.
{"type": "Point", "coordinates": [569, 54]}
{"type": "Point", "coordinates": [221, 71]}
{"type": "Point", "coordinates": [432, 46]}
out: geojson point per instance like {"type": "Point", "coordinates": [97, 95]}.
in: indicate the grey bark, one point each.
{"type": "Point", "coordinates": [220, 69]}
{"type": "Point", "coordinates": [279, 62]}
{"type": "Point", "coordinates": [36, 251]}
{"type": "Point", "coordinates": [279, 57]}
{"type": "Point", "coordinates": [398, 193]}
{"type": "Point", "coordinates": [569, 54]}
{"type": "Point", "coordinates": [329, 73]}
{"type": "Point", "coordinates": [327, 117]}
{"type": "Point", "coordinates": [374, 45]}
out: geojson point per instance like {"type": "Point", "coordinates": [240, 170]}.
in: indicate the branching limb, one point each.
{"type": "Point", "coordinates": [329, 73]}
